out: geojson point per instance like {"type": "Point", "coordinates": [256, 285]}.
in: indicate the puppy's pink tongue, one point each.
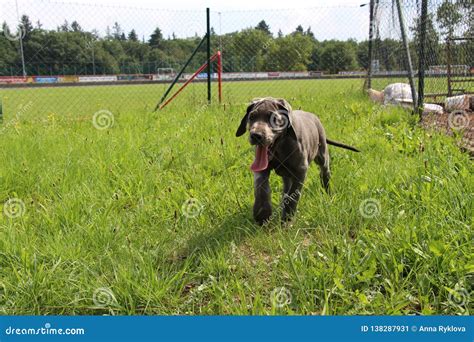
{"type": "Point", "coordinates": [261, 159]}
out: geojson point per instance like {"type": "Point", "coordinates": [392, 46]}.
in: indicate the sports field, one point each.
{"type": "Point", "coordinates": [109, 208]}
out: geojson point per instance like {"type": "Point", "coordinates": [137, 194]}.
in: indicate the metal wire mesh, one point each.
{"type": "Point", "coordinates": [448, 46]}
{"type": "Point", "coordinates": [92, 44]}
{"type": "Point", "coordinates": [54, 43]}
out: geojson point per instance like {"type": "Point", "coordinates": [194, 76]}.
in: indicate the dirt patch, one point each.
{"type": "Point", "coordinates": [454, 123]}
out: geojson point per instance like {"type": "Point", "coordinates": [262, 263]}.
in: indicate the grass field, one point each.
{"type": "Point", "coordinates": [152, 214]}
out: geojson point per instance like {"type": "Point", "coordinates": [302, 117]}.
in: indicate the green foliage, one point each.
{"type": "Point", "coordinates": [71, 50]}
{"type": "Point", "coordinates": [449, 16]}
{"type": "Point", "coordinates": [263, 26]}
{"type": "Point", "coordinates": [156, 38]}
{"type": "Point", "coordinates": [337, 56]}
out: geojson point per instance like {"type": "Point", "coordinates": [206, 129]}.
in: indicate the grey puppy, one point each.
{"type": "Point", "coordinates": [286, 141]}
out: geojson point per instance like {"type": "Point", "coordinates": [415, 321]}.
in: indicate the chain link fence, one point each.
{"type": "Point", "coordinates": [48, 43]}
{"type": "Point", "coordinates": [449, 46]}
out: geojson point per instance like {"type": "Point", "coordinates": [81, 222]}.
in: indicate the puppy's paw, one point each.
{"type": "Point", "coordinates": [287, 220]}
{"type": "Point", "coordinates": [262, 215]}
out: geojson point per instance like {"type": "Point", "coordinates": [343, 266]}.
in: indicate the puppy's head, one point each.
{"type": "Point", "coordinates": [266, 119]}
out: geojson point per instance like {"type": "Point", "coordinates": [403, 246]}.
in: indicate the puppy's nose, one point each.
{"type": "Point", "coordinates": [256, 137]}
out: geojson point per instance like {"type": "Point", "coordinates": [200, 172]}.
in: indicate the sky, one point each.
{"type": "Point", "coordinates": [339, 19]}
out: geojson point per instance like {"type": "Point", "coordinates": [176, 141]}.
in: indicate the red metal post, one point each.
{"type": "Point", "coordinates": [188, 81]}
{"type": "Point", "coordinates": [219, 74]}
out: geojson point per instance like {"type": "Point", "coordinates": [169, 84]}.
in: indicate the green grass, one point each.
{"type": "Point", "coordinates": [433, 85]}
{"type": "Point", "coordinates": [104, 228]}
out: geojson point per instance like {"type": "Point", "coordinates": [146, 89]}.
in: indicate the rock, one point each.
{"type": "Point", "coordinates": [397, 93]}
{"type": "Point", "coordinates": [432, 108]}
{"type": "Point", "coordinates": [460, 102]}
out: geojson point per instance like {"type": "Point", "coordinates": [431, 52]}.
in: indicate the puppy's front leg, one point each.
{"type": "Point", "coordinates": [262, 208]}
{"type": "Point", "coordinates": [291, 195]}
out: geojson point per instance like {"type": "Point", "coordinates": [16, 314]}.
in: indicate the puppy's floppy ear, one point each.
{"type": "Point", "coordinates": [286, 109]}
{"type": "Point", "coordinates": [243, 124]}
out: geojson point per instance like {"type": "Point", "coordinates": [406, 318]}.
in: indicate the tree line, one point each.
{"type": "Point", "coordinates": [70, 50]}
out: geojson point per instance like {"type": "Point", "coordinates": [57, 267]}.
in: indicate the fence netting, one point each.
{"type": "Point", "coordinates": [48, 43]}
{"type": "Point", "coordinates": [448, 46]}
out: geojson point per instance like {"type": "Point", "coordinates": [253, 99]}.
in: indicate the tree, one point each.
{"type": "Point", "coordinates": [263, 26]}
{"type": "Point", "coordinates": [252, 49]}
{"type": "Point", "coordinates": [247, 49]}
{"type": "Point", "coordinates": [449, 17]}
{"type": "Point", "coordinates": [309, 33]}
{"type": "Point", "coordinates": [315, 59]}
{"type": "Point", "coordinates": [64, 27]}
{"type": "Point", "coordinates": [76, 27]}
{"type": "Point", "coordinates": [432, 46]}
{"type": "Point", "coordinates": [155, 38]}
{"type": "Point", "coordinates": [132, 36]}
{"type": "Point", "coordinates": [26, 25]}
{"type": "Point", "coordinates": [116, 31]}
{"type": "Point", "coordinates": [338, 56]}
{"type": "Point", "coordinates": [299, 29]}
{"type": "Point", "coordinates": [290, 53]}
{"type": "Point", "coordinates": [108, 34]}
{"type": "Point", "coordinates": [363, 54]}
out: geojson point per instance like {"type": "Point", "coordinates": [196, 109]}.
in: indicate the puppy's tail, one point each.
{"type": "Point", "coordinates": [339, 144]}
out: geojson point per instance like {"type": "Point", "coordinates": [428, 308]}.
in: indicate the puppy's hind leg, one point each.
{"type": "Point", "coordinates": [322, 159]}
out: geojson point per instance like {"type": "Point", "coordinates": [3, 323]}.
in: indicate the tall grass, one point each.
{"type": "Point", "coordinates": [152, 215]}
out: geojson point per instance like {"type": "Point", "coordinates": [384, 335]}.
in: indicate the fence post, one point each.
{"type": "Point", "coordinates": [176, 79]}
{"type": "Point", "coordinates": [407, 53]}
{"type": "Point", "coordinates": [219, 74]}
{"type": "Point", "coordinates": [422, 62]}
{"type": "Point", "coordinates": [208, 24]}
{"type": "Point", "coordinates": [448, 63]}
{"type": "Point", "coordinates": [371, 36]}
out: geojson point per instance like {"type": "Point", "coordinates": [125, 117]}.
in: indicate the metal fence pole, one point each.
{"type": "Point", "coordinates": [180, 73]}
{"type": "Point", "coordinates": [422, 61]}
{"type": "Point", "coordinates": [449, 58]}
{"type": "Point", "coordinates": [208, 22]}
{"type": "Point", "coordinates": [371, 35]}
{"type": "Point", "coordinates": [407, 53]}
